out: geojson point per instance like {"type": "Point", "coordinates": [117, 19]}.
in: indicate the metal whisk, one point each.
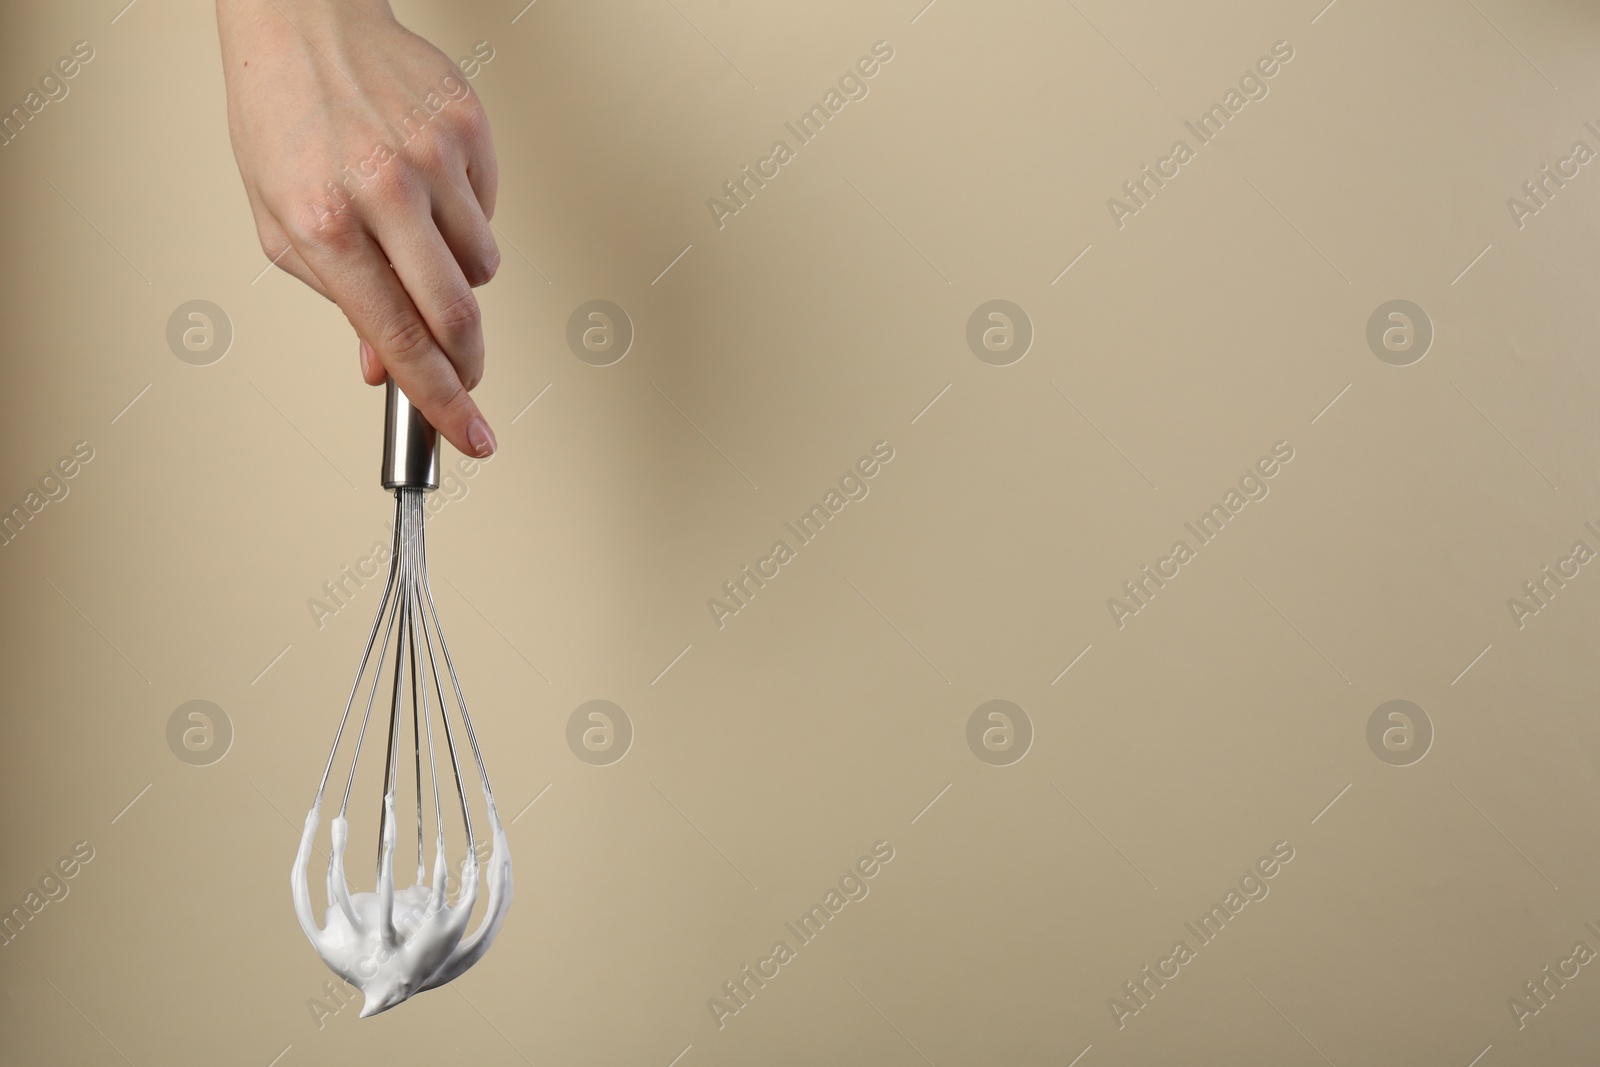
{"type": "Point", "coordinates": [395, 943]}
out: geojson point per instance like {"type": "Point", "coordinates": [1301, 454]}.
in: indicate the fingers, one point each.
{"type": "Point", "coordinates": [372, 371]}
{"type": "Point", "coordinates": [482, 169]}
{"type": "Point", "coordinates": [278, 249]}
{"type": "Point", "coordinates": [289, 261]}
{"type": "Point", "coordinates": [402, 266]}
{"type": "Point", "coordinates": [465, 229]}
{"type": "Point", "coordinates": [356, 273]}
{"type": "Point", "coordinates": [273, 236]}
{"type": "Point", "coordinates": [436, 285]}
{"type": "Point", "coordinates": [464, 178]}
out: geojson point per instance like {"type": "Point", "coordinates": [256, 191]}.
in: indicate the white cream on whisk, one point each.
{"type": "Point", "coordinates": [395, 943]}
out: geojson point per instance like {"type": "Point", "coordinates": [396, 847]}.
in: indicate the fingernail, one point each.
{"type": "Point", "coordinates": [366, 358]}
{"type": "Point", "coordinates": [479, 437]}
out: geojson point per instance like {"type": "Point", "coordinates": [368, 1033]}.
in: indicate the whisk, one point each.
{"type": "Point", "coordinates": [395, 943]}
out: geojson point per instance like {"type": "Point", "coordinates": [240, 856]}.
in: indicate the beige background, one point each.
{"type": "Point", "coordinates": [831, 712]}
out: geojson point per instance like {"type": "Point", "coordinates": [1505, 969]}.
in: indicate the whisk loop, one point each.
{"type": "Point", "coordinates": [395, 943]}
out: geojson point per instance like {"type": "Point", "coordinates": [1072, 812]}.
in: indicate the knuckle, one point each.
{"type": "Point", "coordinates": [431, 150]}
{"type": "Point", "coordinates": [321, 225]}
{"type": "Point", "coordinates": [444, 397]}
{"type": "Point", "coordinates": [462, 314]}
{"type": "Point", "coordinates": [456, 401]}
{"type": "Point", "coordinates": [441, 398]}
{"type": "Point", "coordinates": [406, 339]}
{"type": "Point", "coordinates": [395, 183]}
{"type": "Point", "coordinates": [471, 119]}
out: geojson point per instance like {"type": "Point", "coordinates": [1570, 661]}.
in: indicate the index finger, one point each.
{"type": "Point", "coordinates": [357, 275]}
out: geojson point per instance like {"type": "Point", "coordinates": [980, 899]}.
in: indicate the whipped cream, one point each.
{"type": "Point", "coordinates": [396, 943]}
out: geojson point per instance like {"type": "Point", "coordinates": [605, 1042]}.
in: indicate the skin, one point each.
{"type": "Point", "coordinates": [386, 217]}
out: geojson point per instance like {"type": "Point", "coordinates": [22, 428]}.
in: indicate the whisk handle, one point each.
{"type": "Point", "coordinates": [410, 444]}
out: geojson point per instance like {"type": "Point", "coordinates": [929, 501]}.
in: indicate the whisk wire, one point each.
{"type": "Point", "coordinates": [461, 699]}
{"type": "Point", "coordinates": [414, 938]}
{"type": "Point", "coordinates": [372, 637]}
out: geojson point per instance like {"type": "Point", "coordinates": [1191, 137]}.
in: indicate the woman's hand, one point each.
{"type": "Point", "coordinates": [371, 175]}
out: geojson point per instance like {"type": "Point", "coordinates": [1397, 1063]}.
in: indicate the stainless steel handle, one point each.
{"type": "Point", "coordinates": [410, 444]}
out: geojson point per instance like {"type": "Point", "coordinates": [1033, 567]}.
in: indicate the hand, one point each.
{"type": "Point", "coordinates": [371, 175]}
